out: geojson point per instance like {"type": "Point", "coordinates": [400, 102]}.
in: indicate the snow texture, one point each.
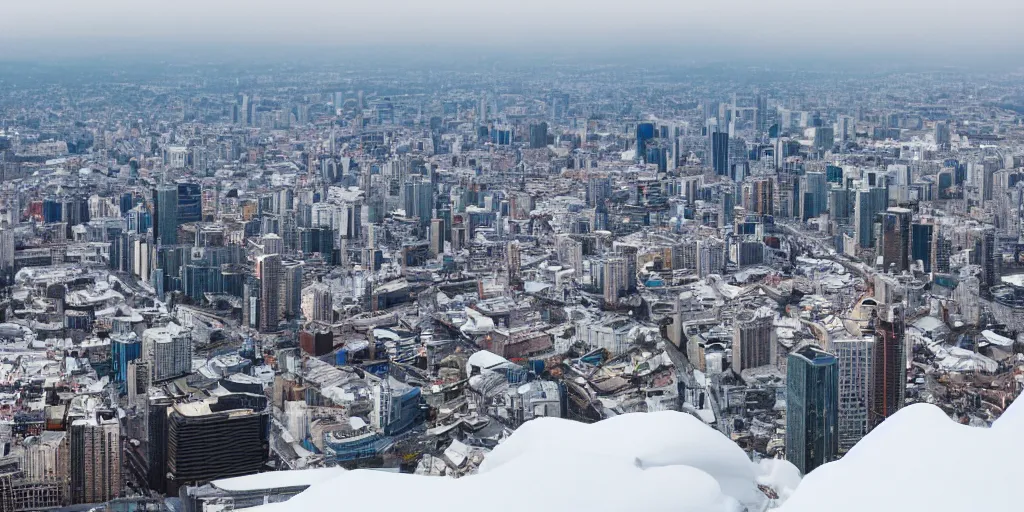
{"type": "Point", "coordinates": [919, 459]}
{"type": "Point", "coordinates": [663, 461]}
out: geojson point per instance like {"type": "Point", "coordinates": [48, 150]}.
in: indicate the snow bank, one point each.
{"type": "Point", "coordinates": [919, 459]}
{"type": "Point", "coordinates": [663, 461]}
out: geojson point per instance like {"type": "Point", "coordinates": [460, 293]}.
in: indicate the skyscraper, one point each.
{"type": "Point", "coordinates": [889, 366]}
{"type": "Point", "coordinates": [869, 203]}
{"type": "Point", "coordinates": [922, 244]}
{"type": "Point", "coordinates": [165, 214]}
{"type": "Point", "coordinates": [190, 203]}
{"type": "Point", "coordinates": [812, 408]}
{"type": "Point", "coordinates": [614, 279]}
{"type": "Point", "coordinates": [270, 273]}
{"type": "Point", "coordinates": [216, 438]}
{"type": "Point", "coordinates": [539, 135]}
{"type": "Point", "coordinates": [752, 340]}
{"type": "Point", "coordinates": [644, 133]}
{"type": "Point", "coordinates": [815, 193]}
{"type": "Point", "coordinates": [856, 357]}
{"type": "Point", "coordinates": [720, 153]}
{"type": "Point", "coordinates": [95, 453]}
{"type": "Point", "coordinates": [895, 239]}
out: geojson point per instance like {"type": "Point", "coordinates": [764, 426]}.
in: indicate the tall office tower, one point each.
{"type": "Point", "coordinates": [759, 196]}
{"type": "Point", "coordinates": [644, 134]}
{"type": "Point", "coordinates": [711, 256]}
{"type": "Point", "coordinates": [752, 344]}
{"type": "Point", "coordinates": [812, 408]}
{"type": "Point", "coordinates": [219, 437]}
{"type": "Point", "coordinates": [988, 257]}
{"type": "Point", "coordinates": [95, 460]}
{"type": "Point", "coordinates": [844, 128]}
{"type": "Point", "coordinates": [614, 279]}
{"type": "Point", "coordinates": [943, 250]}
{"type": "Point", "coordinates": [272, 244]}
{"type": "Point", "coordinates": [168, 350]}
{"type": "Point", "coordinates": [165, 214]}
{"type": "Point", "coordinates": [922, 244]}
{"type": "Point", "coordinates": [6, 248]}
{"type": "Point", "coordinates": [815, 195]}
{"type": "Point", "coordinates": [269, 271]}
{"type": "Point", "coordinates": [436, 236]}
{"type": "Point", "coordinates": [482, 113]}
{"type": "Point", "coordinates": [870, 202]}
{"type": "Point", "coordinates": [824, 138]}
{"type": "Point", "coordinates": [598, 190]}
{"type": "Point", "coordinates": [895, 239]}
{"type": "Point", "coordinates": [629, 254]}
{"type": "Point", "coordinates": [321, 303]}
{"type": "Point", "coordinates": [761, 103]}
{"type": "Point", "coordinates": [291, 296]}
{"type": "Point", "coordinates": [123, 350]}
{"type": "Point", "coordinates": [513, 259]}
{"type": "Point", "coordinates": [539, 135]}
{"type": "Point", "coordinates": [856, 357]}
{"type": "Point", "coordinates": [942, 135]}
{"type": "Point", "coordinates": [720, 153]}
{"type": "Point", "coordinates": [840, 204]}
{"type": "Point", "coordinates": [190, 203]}
{"type": "Point", "coordinates": [889, 366]}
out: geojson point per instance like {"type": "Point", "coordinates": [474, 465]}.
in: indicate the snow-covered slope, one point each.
{"type": "Point", "coordinates": [919, 459]}
{"type": "Point", "coordinates": [663, 461]}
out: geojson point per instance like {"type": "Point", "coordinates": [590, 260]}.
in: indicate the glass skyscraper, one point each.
{"type": "Point", "coordinates": [812, 408]}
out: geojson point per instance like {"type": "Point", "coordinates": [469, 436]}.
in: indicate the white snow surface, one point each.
{"type": "Point", "coordinates": [670, 461]}
{"type": "Point", "coordinates": [656, 462]}
{"type": "Point", "coordinates": [904, 463]}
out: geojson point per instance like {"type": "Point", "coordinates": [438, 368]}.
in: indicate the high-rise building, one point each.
{"type": "Point", "coordinates": [190, 203]}
{"type": "Point", "coordinates": [165, 214]}
{"type": "Point", "coordinates": [812, 408]}
{"type": "Point", "coordinates": [436, 236]}
{"type": "Point", "coordinates": [614, 279]}
{"type": "Point", "coordinates": [988, 257]}
{"type": "Point", "coordinates": [720, 153]}
{"type": "Point", "coordinates": [514, 259]}
{"type": "Point", "coordinates": [856, 357]}
{"type": "Point", "coordinates": [889, 366]}
{"type": "Point", "coordinates": [269, 271]}
{"type": "Point", "coordinates": [922, 244]}
{"type": "Point", "coordinates": [168, 350]}
{"type": "Point", "coordinates": [752, 343]}
{"type": "Point", "coordinates": [95, 460]}
{"type": "Point", "coordinates": [219, 437]}
{"type": "Point", "coordinates": [894, 246]}
{"type": "Point", "coordinates": [644, 133]}
{"type": "Point", "coordinates": [870, 202]}
{"type": "Point", "coordinates": [942, 134]}
{"type": "Point", "coordinates": [711, 256]}
{"type": "Point", "coordinates": [318, 303]}
{"type": "Point", "coordinates": [539, 135]}
{"type": "Point", "coordinates": [815, 192]}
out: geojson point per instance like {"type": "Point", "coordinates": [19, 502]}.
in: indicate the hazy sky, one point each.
{"type": "Point", "coordinates": [770, 27]}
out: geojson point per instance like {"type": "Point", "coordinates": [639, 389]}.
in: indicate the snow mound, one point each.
{"type": "Point", "coordinates": [919, 459]}
{"type": "Point", "coordinates": [663, 461]}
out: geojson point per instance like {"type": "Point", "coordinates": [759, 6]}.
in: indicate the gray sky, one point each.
{"type": "Point", "coordinates": [796, 27]}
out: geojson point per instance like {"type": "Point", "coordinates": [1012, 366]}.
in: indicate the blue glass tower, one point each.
{"type": "Point", "coordinates": [812, 408]}
{"type": "Point", "coordinates": [644, 133]}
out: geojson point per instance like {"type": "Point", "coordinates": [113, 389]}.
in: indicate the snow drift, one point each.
{"type": "Point", "coordinates": [668, 461]}
{"type": "Point", "coordinates": [663, 461]}
{"type": "Point", "coordinates": [919, 459]}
